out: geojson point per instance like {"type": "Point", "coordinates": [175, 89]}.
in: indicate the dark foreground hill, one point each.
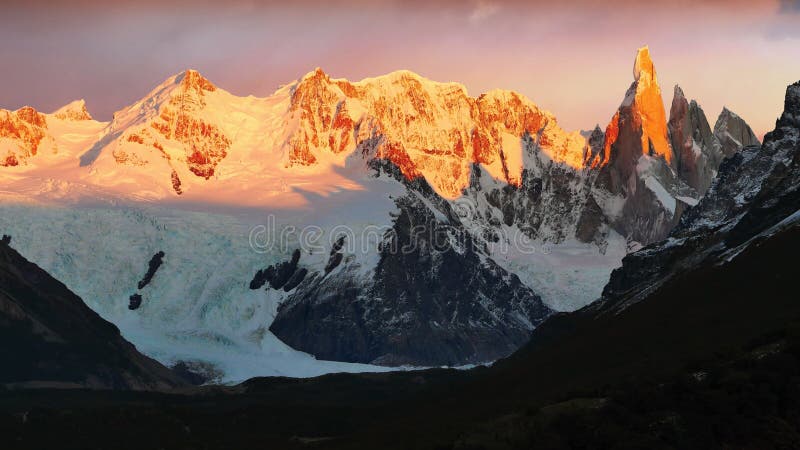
{"type": "Point", "coordinates": [50, 338]}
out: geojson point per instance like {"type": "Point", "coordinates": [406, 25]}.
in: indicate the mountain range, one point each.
{"type": "Point", "coordinates": [386, 163]}
{"type": "Point", "coordinates": [694, 343]}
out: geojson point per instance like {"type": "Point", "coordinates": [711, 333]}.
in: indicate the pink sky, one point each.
{"type": "Point", "coordinates": [573, 60]}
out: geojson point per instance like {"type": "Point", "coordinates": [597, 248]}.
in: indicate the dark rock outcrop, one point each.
{"type": "Point", "coordinates": [277, 274]}
{"type": "Point", "coordinates": [297, 278]}
{"type": "Point", "coordinates": [134, 302]}
{"type": "Point", "coordinates": [176, 182]}
{"type": "Point", "coordinates": [591, 223]}
{"type": "Point", "coordinates": [152, 268]}
{"type": "Point", "coordinates": [456, 306]}
{"type": "Point", "coordinates": [697, 150]}
{"type": "Point", "coordinates": [336, 255]}
{"type": "Point", "coordinates": [259, 279]}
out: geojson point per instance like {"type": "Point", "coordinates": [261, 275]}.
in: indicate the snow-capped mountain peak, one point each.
{"type": "Point", "coordinates": [193, 80]}
{"type": "Point", "coordinates": [75, 110]}
{"type": "Point", "coordinates": [21, 134]}
{"type": "Point", "coordinates": [169, 133]}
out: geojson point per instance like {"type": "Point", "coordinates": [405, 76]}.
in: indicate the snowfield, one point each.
{"type": "Point", "coordinates": [198, 308]}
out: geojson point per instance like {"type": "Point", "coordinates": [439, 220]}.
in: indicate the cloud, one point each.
{"type": "Point", "coordinates": [790, 6]}
{"type": "Point", "coordinates": [786, 23]}
{"type": "Point", "coordinates": [483, 10]}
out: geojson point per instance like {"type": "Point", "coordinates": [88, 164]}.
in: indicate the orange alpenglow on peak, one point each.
{"type": "Point", "coordinates": [644, 65]}
{"type": "Point", "coordinates": [426, 128]}
{"type": "Point", "coordinates": [25, 125]}
{"type": "Point", "coordinates": [646, 107]}
{"type": "Point", "coordinates": [75, 111]}
{"type": "Point", "coordinates": [650, 105]}
{"type": "Point", "coordinates": [191, 79]}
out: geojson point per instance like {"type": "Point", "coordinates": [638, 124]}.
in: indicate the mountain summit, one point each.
{"type": "Point", "coordinates": [75, 110]}
{"type": "Point", "coordinates": [647, 100]}
{"type": "Point", "coordinates": [641, 118]}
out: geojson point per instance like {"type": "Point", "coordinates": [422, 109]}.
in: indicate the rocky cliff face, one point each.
{"type": "Point", "coordinates": [733, 132]}
{"type": "Point", "coordinates": [621, 184]}
{"type": "Point", "coordinates": [21, 133]}
{"type": "Point", "coordinates": [173, 115]}
{"type": "Point", "coordinates": [641, 173]}
{"type": "Point", "coordinates": [474, 170]}
{"type": "Point", "coordinates": [698, 151]}
{"type": "Point", "coordinates": [50, 338]}
{"type": "Point", "coordinates": [31, 140]}
{"type": "Point", "coordinates": [639, 126]}
{"type": "Point", "coordinates": [638, 162]}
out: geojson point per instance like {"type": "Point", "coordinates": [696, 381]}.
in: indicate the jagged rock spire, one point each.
{"type": "Point", "coordinates": [649, 187]}
{"type": "Point", "coordinates": [733, 132]}
{"type": "Point", "coordinates": [650, 107]}
{"type": "Point", "coordinates": [697, 150]}
{"type": "Point", "coordinates": [640, 114]}
{"type": "Point", "coordinates": [643, 66]}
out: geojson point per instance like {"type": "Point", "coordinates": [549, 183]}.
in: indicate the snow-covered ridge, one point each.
{"type": "Point", "coordinates": [30, 139]}
{"type": "Point", "coordinates": [190, 138]}
{"type": "Point", "coordinates": [75, 110]}
{"type": "Point", "coordinates": [189, 135]}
